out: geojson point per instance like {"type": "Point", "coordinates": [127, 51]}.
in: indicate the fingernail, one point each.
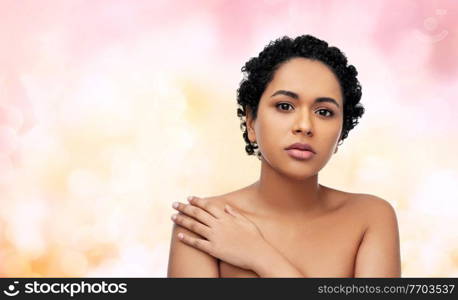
{"type": "Point", "coordinates": [175, 204]}
{"type": "Point", "coordinates": [180, 235]}
{"type": "Point", "coordinates": [174, 216]}
{"type": "Point", "coordinates": [190, 198]}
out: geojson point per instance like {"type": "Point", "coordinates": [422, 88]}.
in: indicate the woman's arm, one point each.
{"type": "Point", "coordinates": [233, 238]}
{"type": "Point", "coordinates": [271, 263]}
{"type": "Point", "coordinates": [379, 254]}
{"type": "Point", "coordinates": [186, 261]}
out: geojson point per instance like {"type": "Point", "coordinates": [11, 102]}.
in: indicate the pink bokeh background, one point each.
{"type": "Point", "coordinates": [112, 110]}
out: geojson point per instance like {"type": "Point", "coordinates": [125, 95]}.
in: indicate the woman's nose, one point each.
{"type": "Point", "coordinates": [303, 124]}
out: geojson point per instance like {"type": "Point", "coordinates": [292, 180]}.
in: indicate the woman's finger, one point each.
{"type": "Point", "coordinates": [195, 212]}
{"type": "Point", "coordinates": [207, 206]}
{"type": "Point", "coordinates": [191, 224]}
{"type": "Point", "coordinates": [200, 244]}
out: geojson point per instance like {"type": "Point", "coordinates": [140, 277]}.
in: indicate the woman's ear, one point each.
{"type": "Point", "coordinates": [250, 125]}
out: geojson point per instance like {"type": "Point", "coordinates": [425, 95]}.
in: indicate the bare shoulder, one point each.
{"type": "Point", "coordinates": [368, 201]}
{"type": "Point", "coordinates": [379, 252]}
{"type": "Point", "coordinates": [218, 200]}
{"type": "Point", "coordinates": [188, 261]}
{"type": "Point", "coordinates": [374, 203]}
{"type": "Point", "coordinates": [366, 207]}
{"type": "Point", "coordinates": [374, 209]}
{"type": "Point", "coordinates": [236, 198]}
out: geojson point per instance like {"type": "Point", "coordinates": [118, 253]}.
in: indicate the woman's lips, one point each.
{"type": "Point", "coordinates": [300, 154]}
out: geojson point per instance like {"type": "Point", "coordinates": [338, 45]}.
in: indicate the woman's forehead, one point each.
{"type": "Point", "coordinates": [308, 78]}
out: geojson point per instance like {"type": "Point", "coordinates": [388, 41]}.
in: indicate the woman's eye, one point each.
{"type": "Point", "coordinates": [327, 110]}
{"type": "Point", "coordinates": [283, 105]}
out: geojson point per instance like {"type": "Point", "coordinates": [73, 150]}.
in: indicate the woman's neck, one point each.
{"type": "Point", "coordinates": [280, 194]}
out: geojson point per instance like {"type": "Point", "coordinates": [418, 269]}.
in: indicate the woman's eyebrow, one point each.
{"type": "Point", "coordinates": [296, 96]}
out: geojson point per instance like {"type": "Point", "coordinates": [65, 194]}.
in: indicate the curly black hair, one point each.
{"type": "Point", "coordinates": [259, 72]}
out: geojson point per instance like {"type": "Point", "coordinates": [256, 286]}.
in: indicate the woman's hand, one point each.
{"type": "Point", "coordinates": [227, 234]}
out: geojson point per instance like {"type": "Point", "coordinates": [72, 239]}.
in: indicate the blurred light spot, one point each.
{"type": "Point", "coordinates": [11, 117]}
{"type": "Point", "coordinates": [436, 194]}
{"type": "Point", "coordinates": [25, 227]}
{"type": "Point", "coordinates": [83, 183]}
{"type": "Point", "coordinates": [454, 255]}
{"type": "Point", "coordinates": [16, 265]}
{"type": "Point", "coordinates": [160, 257]}
{"type": "Point", "coordinates": [109, 228]}
{"type": "Point", "coordinates": [374, 169]}
{"type": "Point", "coordinates": [82, 238]}
{"type": "Point", "coordinates": [135, 260]}
{"type": "Point", "coordinates": [6, 168]}
{"type": "Point", "coordinates": [8, 140]}
{"type": "Point", "coordinates": [73, 263]}
{"type": "Point", "coordinates": [105, 269]}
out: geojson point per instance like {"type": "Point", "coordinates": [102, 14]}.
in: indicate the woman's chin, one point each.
{"type": "Point", "coordinates": [299, 174]}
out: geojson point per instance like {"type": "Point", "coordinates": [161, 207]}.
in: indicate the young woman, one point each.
{"type": "Point", "coordinates": [298, 100]}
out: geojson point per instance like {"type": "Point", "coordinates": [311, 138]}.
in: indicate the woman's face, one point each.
{"type": "Point", "coordinates": [283, 120]}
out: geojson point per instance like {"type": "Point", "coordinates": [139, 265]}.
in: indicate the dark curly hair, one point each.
{"type": "Point", "coordinates": [260, 70]}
